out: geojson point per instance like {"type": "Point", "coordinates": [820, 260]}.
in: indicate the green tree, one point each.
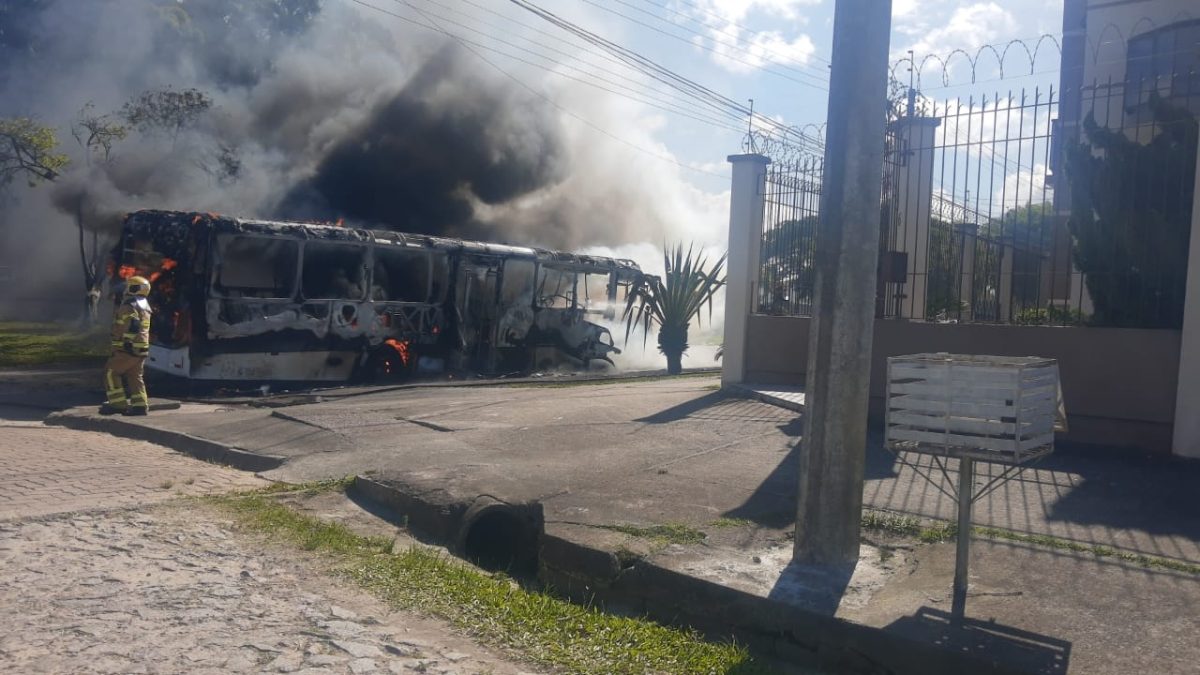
{"type": "Point", "coordinates": [167, 111]}
{"type": "Point", "coordinates": [673, 300]}
{"type": "Point", "coordinates": [1131, 206]}
{"type": "Point", "coordinates": [943, 285]}
{"type": "Point", "coordinates": [96, 135]}
{"type": "Point", "coordinates": [789, 265]}
{"type": "Point", "coordinates": [28, 149]}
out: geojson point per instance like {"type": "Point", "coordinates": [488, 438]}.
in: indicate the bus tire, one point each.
{"type": "Point", "coordinates": [385, 365]}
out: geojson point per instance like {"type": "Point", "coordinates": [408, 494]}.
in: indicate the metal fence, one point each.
{"type": "Point", "coordinates": [791, 206]}
{"type": "Point", "coordinates": [1016, 208]}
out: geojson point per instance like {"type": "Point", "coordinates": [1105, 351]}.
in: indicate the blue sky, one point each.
{"type": "Point", "coordinates": [777, 51]}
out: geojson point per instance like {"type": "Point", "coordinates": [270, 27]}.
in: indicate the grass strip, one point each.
{"type": "Point", "coordinates": [35, 344]}
{"type": "Point", "coordinates": [544, 628]}
{"type": "Point", "coordinates": [670, 533]}
{"type": "Point", "coordinates": [938, 531]}
{"type": "Point", "coordinates": [723, 522]}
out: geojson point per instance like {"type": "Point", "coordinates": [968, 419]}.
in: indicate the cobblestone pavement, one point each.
{"type": "Point", "coordinates": [105, 570]}
{"type": "Point", "coordinates": [172, 589]}
{"type": "Point", "coordinates": [48, 470]}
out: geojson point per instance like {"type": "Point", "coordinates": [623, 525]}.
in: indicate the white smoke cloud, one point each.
{"type": "Point", "coordinates": [285, 99]}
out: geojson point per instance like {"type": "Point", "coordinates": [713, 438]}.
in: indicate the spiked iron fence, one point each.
{"type": "Point", "coordinates": [1017, 208]}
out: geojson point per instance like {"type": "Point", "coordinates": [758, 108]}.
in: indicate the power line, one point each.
{"type": "Point", "coordinates": [719, 17]}
{"type": "Point", "coordinates": [642, 90]}
{"type": "Point", "coordinates": [668, 76]}
{"type": "Point", "coordinates": [620, 90]}
{"type": "Point", "coordinates": [470, 46]}
{"type": "Point", "coordinates": [820, 74]}
{"type": "Point", "coordinates": [764, 69]}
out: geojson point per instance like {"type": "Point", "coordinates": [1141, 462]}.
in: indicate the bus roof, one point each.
{"type": "Point", "coordinates": [153, 219]}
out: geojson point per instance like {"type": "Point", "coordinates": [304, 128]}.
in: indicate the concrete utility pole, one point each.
{"type": "Point", "coordinates": [833, 450]}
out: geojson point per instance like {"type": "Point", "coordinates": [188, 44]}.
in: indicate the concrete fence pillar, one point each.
{"type": "Point", "coordinates": [914, 192]}
{"type": "Point", "coordinates": [1008, 254]}
{"type": "Point", "coordinates": [747, 200]}
{"type": "Point", "coordinates": [1187, 396]}
{"type": "Point", "coordinates": [967, 238]}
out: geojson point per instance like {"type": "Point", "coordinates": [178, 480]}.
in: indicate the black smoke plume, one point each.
{"type": "Point", "coordinates": [447, 141]}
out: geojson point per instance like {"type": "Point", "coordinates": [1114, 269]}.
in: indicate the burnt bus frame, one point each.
{"type": "Point", "coordinates": [435, 328]}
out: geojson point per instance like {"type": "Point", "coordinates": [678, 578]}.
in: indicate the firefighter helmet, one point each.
{"type": "Point", "coordinates": [139, 286]}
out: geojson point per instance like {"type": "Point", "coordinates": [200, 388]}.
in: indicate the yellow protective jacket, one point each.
{"type": "Point", "coordinates": [131, 327]}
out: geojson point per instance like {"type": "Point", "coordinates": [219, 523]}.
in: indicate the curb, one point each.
{"type": "Point", "coordinates": [746, 392]}
{"type": "Point", "coordinates": [200, 448]}
{"type": "Point", "coordinates": [593, 576]}
{"type": "Point", "coordinates": [287, 399]}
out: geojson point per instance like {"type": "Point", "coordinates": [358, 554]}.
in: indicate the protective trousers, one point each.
{"type": "Point", "coordinates": [129, 368]}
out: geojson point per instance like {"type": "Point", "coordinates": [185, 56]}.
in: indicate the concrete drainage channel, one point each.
{"type": "Point", "coordinates": [487, 531]}
{"type": "Point", "coordinates": [499, 535]}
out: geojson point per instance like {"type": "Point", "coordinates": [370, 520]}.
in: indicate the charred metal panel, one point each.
{"type": "Point", "coordinates": [568, 330]}
{"type": "Point", "coordinates": [245, 294]}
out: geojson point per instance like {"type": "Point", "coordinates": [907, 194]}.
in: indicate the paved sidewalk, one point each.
{"type": "Point", "coordinates": [666, 443]}
{"type": "Point", "coordinates": [49, 470]}
{"type": "Point", "coordinates": [678, 451]}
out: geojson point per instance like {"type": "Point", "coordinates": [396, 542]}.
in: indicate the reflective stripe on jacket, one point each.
{"type": "Point", "coordinates": [131, 327]}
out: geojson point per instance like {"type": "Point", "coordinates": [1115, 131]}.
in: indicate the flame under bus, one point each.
{"type": "Point", "coordinates": [252, 300]}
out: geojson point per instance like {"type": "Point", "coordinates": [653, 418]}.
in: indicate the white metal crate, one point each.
{"type": "Point", "coordinates": [992, 408]}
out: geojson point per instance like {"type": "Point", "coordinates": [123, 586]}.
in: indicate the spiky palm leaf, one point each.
{"type": "Point", "coordinates": [671, 301]}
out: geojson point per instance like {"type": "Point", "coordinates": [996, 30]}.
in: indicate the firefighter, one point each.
{"type": "Point", "coordinates": [130, 347]}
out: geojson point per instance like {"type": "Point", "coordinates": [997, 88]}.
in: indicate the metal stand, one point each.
{"type": "Point", "coordinates": [995, 409]}
{"type": "Point", "coordinates": [966, 489]}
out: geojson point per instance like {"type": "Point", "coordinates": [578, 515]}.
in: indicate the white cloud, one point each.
{"type": "Point", "coordinates": [903, 8]}
{"type": "Point", "coordinates": [739, 49]}
{"type": "Point", "coordinates": [1026, 185]}
{"type": "Point", "coordinates": [736, 11]}
{"type": "Point", "coordinates": [758, 50]}
{"type": "Point", "coordinates": [969, 28]}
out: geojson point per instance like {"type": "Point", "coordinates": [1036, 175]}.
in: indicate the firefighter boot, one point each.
{"type": "Point", "coordinates": [110, 409]}
{"type": "Point", "coordinates": [136, 411]}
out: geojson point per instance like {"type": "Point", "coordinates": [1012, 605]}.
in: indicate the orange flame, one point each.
{"type": "Point", "coordinates": [401, 347]}
{"type": "Point", "coordinates": [126, 271]}
{"type": "Point", "coordinates": [166, 266]}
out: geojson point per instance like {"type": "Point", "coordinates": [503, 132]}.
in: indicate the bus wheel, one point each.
{"type": "Point", "coordinates": [389, 364]}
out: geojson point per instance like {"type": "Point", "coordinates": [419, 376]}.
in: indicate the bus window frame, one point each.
{"type": "Point", "coordinates": [429, 272]}
{"type": "Point", "coordinates": [217, 265]}
{"type": "Point", "coordinates": [368, 273]}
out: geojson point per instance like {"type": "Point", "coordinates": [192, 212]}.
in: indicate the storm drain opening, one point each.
{"type": "Point", "coordinates": [504, 538]}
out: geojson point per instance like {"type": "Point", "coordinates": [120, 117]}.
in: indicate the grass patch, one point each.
{"type": "Point", "coordinates": [37, 344]}
{"type": "Point", "coordinates": [722, 523]}
{"type": "Point", "coordinates": [1097, 550]}
{"type": "Point", "coordinates": [670, 533]}
{"type": "Point", "coordinates": [544, 628]}
{"type": "Point", "coordinates": [938, 531]}
{"type": "Point", "coordinates": [307, 489]}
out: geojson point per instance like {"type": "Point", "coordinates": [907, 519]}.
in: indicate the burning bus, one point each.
{"type": "Point", "coordinates": [253, 300]}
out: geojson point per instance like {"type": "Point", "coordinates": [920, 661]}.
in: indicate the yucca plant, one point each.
{"type": "Point", "coordinates": [673, 300]}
